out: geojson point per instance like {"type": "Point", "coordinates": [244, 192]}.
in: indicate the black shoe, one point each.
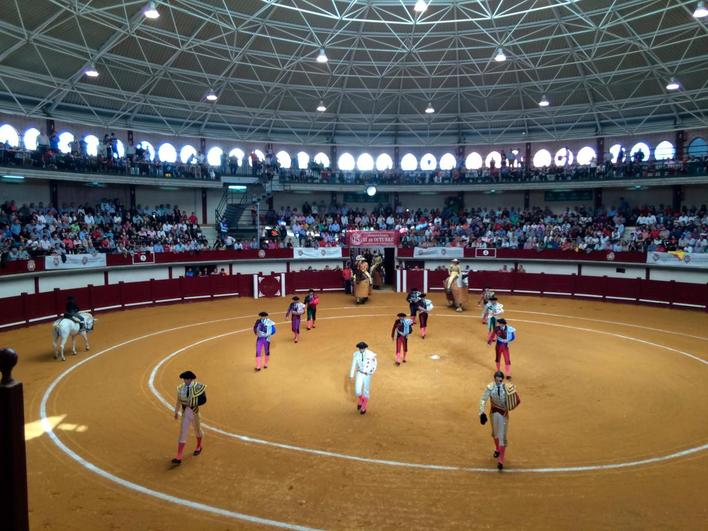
{"type": "Point", "coordinates": [265, 367]}
{"type": "Point", "coordinates": [496, 454]}
{"type": "Point", "coordinates": [176, 461]}
{"type": "Point", "coordinates": [358, 407]}
{"type": "Point", "coordinates": [508, 377]}
{"type": "Point", "coordinates": [404, 361]}
{"type": "Point", "coordinates": [197, 451]}
{"type": "Point", "coordinates": [257, 369]}
{"type": "Point", "coordinates": [398, 363]}
{"type": "Point", "coordinates": [362, 412]}
{"type": "Point", "coordinates": [500, 466]}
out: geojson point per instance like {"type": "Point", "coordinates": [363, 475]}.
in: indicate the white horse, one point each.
{"type": "Point", "coordinates": [64, 327]}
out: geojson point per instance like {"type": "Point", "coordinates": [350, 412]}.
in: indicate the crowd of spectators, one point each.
{"type": "Point", "coordinates": [30, 231]}
{"type": "Point", "coordinates": [624, 169]}
{"type": "Point", "coordinates": [111, 157]}
{"type": "Point", "coordinates": [621, 228]}
{"type": "Point", "coordinates": [136, 161]}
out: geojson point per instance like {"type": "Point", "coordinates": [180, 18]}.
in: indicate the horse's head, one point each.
{"type": "Point", "coordinates": [88, 320]}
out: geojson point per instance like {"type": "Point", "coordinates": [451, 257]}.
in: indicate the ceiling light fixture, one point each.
{"type": "Point", "coordinates": [420, 6]}
{"type": "Point", "coordinates": [701, 11]}
{"type": "Point", "coordinates": [673, 84]}
{"type": "Point", "coordinates": [429, 109]}
{"type": "Point", "coordinates": [322, 57]}
{"type": "Point", "coordinates": [211, 96]}
{"type": "Point", "coordinates": [151, 11]}
{"type": "Point", "coordinates": [371, 191]}
{"type": "Point", "coordinates": [544, 102]}
{"type": "Point", "coordinates": [500, 57]}
{"type": "Point", "coordinates": [321, 107]}
{"type": "Point", "coordinates": [91, 71]}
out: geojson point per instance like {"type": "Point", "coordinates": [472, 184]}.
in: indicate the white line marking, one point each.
{"type": "Point", "coordinates": [254, 519]}
{"type": "Point", "coordinates": [47, 426]}
{"type": "Point", "coordinates": [325, 453]}
{"type": "Point", "coordinates": [674, 332]}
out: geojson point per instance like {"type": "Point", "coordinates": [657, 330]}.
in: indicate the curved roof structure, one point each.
{"type": "Point", "coordinates": [602, 65]}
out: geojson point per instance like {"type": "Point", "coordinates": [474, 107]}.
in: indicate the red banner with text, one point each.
{"type": "Point", "coordinates": [373, 238]}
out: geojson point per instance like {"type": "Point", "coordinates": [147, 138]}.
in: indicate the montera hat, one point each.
{"type": "Point", "coordinates": [361, 344]}
{"type": "Point", "coordinates": [188, 375]}
{"type": "Point", "coordinates": [263, 314]}
{"type": "Point", "coordinates": [501, 321]}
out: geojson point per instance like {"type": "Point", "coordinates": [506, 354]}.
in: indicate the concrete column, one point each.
{"type": "Point", "coordinates": [680, 145]}
{"type": "Point", "coordinates": [333, 156]}
{"type": "Point", "coordinates": [600, 150]}
{"type": "Point", "coordinates": [676, 197]}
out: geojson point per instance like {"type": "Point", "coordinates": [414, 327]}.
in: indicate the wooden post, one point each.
{"type": "Point", "coordinates": [13, 461]}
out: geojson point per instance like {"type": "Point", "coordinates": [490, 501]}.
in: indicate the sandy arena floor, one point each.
{"type": "Point", "coordinates": [612, 432]}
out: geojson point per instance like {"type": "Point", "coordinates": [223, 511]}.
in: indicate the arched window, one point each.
{"type": "Point", "coordinates": [9, 134]}
{"type": "Point", "coordinates": [237, 153]}
{"type": "Point", "coordinates": [283, 158]}
{"type": "Point", "coordinates": [346, 162]}
{"type": "Point", "coordinates": [91, 145]}
{"type": "Point", "coordinates": [259, 155]}
{"type": "Point", "coordinates": [564, 157]}
{"type": "Point", "coordinates": [322, 159]}
{"type": "Point", "coordinates": [149, 149]}
{"type": "Point", "coordinates": [365, 162]}
{"type": "Point", "coordinates": [303, 160]}
{"type": "Point", "coordinates": [697, 148]}
{"type": "Point", "coordinates": [542, 158]}
{"type": "Point", "coordinates": [30, 138]}
{"type": "Point", "coordinates": [448, 162]}
{"type": "Point", "coordinates": [167, 153]}
{"type": "Point", "coordinates": [493, 156]}
{"type": "Point", "coordinates": [664, 151]}
{"type": "Point", "coordinates": [186, 153]}
{"type": "Point", "coordinates": [119, 153]}
{"type": "Point", "coordinates": [214, 156]}
{"type": "Point", "coordinates": [409, 162]}
{"type": "Point", "coordinates": [643, 148]}
{"type": "Point", "coordinates": [585, 155]}
{"type": "Point", "coordinates": [428, 162]}
{"type": "Point", "coordinates": [65, 140]}
{"type": "Point", "coordinates": [474, 161]}
{"type": "Point", "coordinates": [519, 159]}
{"type": "Point", "coordinates": [384, 162]}
{"type": "Point", "coordinates": [615, 151]}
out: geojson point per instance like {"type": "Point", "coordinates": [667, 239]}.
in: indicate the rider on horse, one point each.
{"type": "Point", "coordinates": [73, 312]}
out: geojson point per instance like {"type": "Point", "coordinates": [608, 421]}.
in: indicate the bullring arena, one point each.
{"type": "Point", "coordinates": [353, 264]}
{"type": "Point", "coordinates": [602, 422]}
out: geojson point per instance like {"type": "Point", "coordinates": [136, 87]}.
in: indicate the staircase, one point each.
{"type": "Point", "coordinates": [235, 209]}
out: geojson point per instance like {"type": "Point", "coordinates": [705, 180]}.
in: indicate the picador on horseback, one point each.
{"type": "Point", "coordinates": [72, 312]}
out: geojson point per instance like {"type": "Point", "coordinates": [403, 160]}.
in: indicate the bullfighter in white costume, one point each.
{"type": "Point", "coordinates": [363, 367]}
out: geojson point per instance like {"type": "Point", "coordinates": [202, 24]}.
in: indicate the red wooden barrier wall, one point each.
{"type": "Point", "coordinates": [28, 308]}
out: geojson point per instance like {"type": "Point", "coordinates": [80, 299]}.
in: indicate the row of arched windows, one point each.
{"type": "Point", "coordinates": [166, 152]}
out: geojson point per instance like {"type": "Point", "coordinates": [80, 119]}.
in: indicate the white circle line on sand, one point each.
{"type": "Point", "coordinates": [48, 428]}
{"type": "Point", "coordinates": [326, 453]}
{"type": "Point", "coordinates": [673, 332]}
{"type": "Point", "coordinates": [509, 309]}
